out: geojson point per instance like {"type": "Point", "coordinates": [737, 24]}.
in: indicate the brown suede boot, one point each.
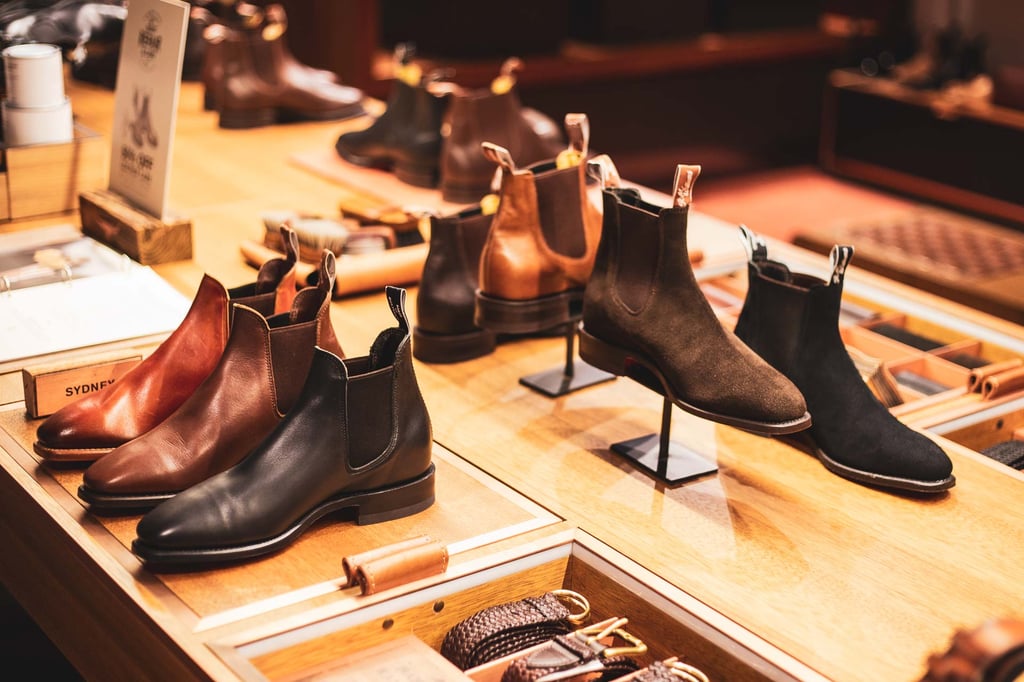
{"type": "Point", "coordinates": [644, 316]}
{"type": "Point", "coordinates": [256, 382]}
{"type": "Point", "coordinates": [540, 249]}
{"type": "Point", "coordinates": [145, 396]}
{"type": "Point", "coordinates": [496, 115]}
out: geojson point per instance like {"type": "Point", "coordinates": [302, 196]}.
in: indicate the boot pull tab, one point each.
{"type": "Point", "coordinates": [577, 129]}
{"type": "Point", "coordinates": [276, 23]}
{"type": "Point", "coordinates": [216, 33]}
{"type": "Point", "coordinates": [839, 259]}
{"type": "Point", "coordinates": [325, 280]}
{"type": "Point", "coordinates": [498, 155]}
{"type": "Point", "coordinates": [682, 192]}
{"type": "Point", "coordinates": [396, 301]}
{"type": "Point", "coordinates": [290, 240]}
{"type": "Point", "coordinates": [403, 67]}
{"type": "Point", "coordinates": [755, 245]}
{"type": "Point", "coordinates": [506, 78]}
{"type": "Point", "coordinates": [603, 169]}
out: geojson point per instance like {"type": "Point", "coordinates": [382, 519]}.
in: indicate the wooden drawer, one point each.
{"type": "Point", "coordinates": [669, 621]}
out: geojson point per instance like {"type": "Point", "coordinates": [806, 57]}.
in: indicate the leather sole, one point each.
{"type": "Point", "coordinates": [529, 316]}
{"type": "Point", "coordinates": [69, 454]}
{"type": "Point", "coordinates": [99, 500]}
{"type": "Point", "coordinates": [372, 506]}
{"type": "Point", "coordinates": [805, 442]}
{"type": "Point", "coordinates": [636, 366]}
{"type": "Point", "coordinates": [239, 119]}
{"type": "Point", "coordinates": [447, 348]}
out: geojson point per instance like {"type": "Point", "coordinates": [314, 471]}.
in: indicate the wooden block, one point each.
{"type": "Point", "coordinates": [50, 387]}
{"type": "Point", "coordinates": [109, 218]}
{"type": "Point", "coordinates": [47, 178]}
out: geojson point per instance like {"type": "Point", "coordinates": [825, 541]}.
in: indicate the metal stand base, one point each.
{"type": "Point", "coordinates": [663, 459]}
{"type": "Point", "coordinates": [573, 376]}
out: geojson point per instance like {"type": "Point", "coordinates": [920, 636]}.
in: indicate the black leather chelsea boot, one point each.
{"type": "Point", "coordinates": [792, 321]}
{"type": "Point", "coordinates": [358, 437]}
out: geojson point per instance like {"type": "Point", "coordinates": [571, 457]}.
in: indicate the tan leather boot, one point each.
{"type": "Point", "coordinates": [152, 390]}
{"type": "Point", "coordinates": [540, 249]}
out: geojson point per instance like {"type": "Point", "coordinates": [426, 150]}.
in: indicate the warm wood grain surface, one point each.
{"type": "Point", "coordinates": [855, 583]}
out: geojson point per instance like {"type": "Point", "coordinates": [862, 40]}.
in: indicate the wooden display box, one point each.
{"type": "Point", "coordinates": [669, 621]}
{"type": "Point", "coordinates": [47, 178]}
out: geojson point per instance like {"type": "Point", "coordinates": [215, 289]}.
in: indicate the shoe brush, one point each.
{"type": "Point", "coordinates": [338, 235]}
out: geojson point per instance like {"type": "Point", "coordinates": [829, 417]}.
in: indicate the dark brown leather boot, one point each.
{"type": "Point", "coordinates": [245, 17]}
{"type": "Point", "coordinates": [262, 84]}
{"type": "Point", "coordinates": [792, 321]}
{"type": "Point", "coordinates": [496, 115]}
{"type": "Point", "coordinates": [155, 388]}
{"type": "Point", "coordinates": [253, 386]}
{"type": "Point", "coordinates": [540, 248]}
{"type": "Point", "coordinates": [407, 136]}
{"type": "Point", "coordinates": [358, 437]}
{"type": "Point", "coordinates": [445, 302]}
{"type": "Point", "coordinates": [644, 316]}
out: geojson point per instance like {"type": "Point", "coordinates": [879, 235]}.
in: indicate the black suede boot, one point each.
{"type": "Point", "coordinates": [444, 330]}
{"type": "Point", "coordinates": [792, 321]}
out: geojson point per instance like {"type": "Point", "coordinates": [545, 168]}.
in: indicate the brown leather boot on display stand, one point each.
{"type": "Point", "coordinates": [140, 400]}
{"type": "Point", "coordinates": [539, 254]}
{"type": "Point", "coordinates": [496, 115]}
{"type": "Point", "coordinates": [261, 83]}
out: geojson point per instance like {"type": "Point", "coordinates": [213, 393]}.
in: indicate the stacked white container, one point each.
{"type": "Point", "coordinates": [35, 110]}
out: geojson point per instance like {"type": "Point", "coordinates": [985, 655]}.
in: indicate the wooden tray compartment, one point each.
{"type": "Point", "coordinates": [669, 621]}
{"type": "Point", "coordinates": [986, 427]}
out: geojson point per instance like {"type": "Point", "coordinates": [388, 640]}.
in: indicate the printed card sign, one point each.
{"type": "Point", "coordinates": [146, 101]}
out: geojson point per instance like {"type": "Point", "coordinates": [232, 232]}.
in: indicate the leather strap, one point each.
{"type": "Point", "coordinates": [999, 385]}
{"type": "Point", "coordinates": [504, 629]}
{"type": "Point", "coordinates": [978, 375]}
{"type": "Point", "coordinates": [565, 658]}
{"type": "Point", "coordinates": [395, 564]}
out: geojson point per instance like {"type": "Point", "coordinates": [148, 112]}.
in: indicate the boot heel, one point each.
{"type": "Point", "coordinates": [247, 118]}
{"type": "Point", "coordinates": [209, 100]}
{"type": "Point", "coordinates": [527, 317]}
{"type": "Point", "coordinates": [445, 348]}
{"type": "Point", "coordinates": [602, 355]}
{"type": "Point", "coordinates": [394, 503]}
{"type": "Point", "coordinates": [418, 176]}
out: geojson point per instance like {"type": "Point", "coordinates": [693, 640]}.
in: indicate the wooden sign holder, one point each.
{"type": "Point", "coordinates": [110, 218]}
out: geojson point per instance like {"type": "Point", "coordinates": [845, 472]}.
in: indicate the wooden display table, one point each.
{"type": "Point", "coordinates": [771, 569]}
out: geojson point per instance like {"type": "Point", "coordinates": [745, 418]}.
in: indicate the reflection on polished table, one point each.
{"type": "Point", "coordinates": [851, 582]}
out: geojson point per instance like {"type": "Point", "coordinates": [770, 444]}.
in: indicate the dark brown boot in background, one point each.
{"type": "Point", "coordinates": [496, 115]}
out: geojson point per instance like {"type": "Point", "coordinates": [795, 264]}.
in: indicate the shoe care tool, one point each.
{"type": "Point", "coordinates": [503, 629]}
{"type": "Point", "coordinates": [316, 233]}
{"type": "Point", "coordinates": [586, 652]}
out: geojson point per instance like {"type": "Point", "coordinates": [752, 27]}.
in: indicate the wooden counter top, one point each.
{"type": "Point", "coordinates": [855, 583]}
